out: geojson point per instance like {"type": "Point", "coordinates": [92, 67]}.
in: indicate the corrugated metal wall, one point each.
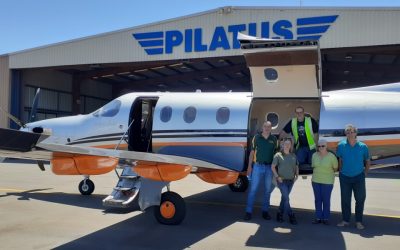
{"type": "Point", "coordinates": [5, 90]}
{"type": "Point", "coordinates": [353, 27]}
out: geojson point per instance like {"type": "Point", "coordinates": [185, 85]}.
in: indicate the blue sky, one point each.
{"type": "Point", "coordinates": [27, 24]}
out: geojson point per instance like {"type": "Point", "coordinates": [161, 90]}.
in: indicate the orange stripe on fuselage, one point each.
{"type": "Point", "coordinates": [226, 144]}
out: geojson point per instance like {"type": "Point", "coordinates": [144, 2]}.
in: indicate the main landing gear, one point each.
{"type": "Point", "coordinates": [172, 209]}
{"type": "Point", "coordinates": [86, 186]}
{"type": "Point", "coordinates": [240, 185]}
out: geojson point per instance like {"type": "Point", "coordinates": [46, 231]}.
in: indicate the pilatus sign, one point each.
{"type": "Point", "coordinates": [192, 40]}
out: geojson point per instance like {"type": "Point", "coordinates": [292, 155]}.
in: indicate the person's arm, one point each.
{"type": "Point", "coordinates": [335, 163]}
{"type": "Point", "coordinates": [314, 124]}
{"type": "Point", "coordinates": [367, 165]}
{"type": "Point", "coordinates": [367, 162]}
{"type": "Point", "coordinates": [286, 130]}
{"type": "Point", "coordinates": [296, 176]}
{"type": "Point", "coordinates": [274, 171]}
{"type": "Point", "coordinates": [250, 164]}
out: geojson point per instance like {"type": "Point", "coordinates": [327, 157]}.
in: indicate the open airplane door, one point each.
{"type": "Point", "coordinates": [284, 75]}
{"type": "Point", "coordinates": [279, 68]}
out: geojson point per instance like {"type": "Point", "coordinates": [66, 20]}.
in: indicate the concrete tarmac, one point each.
{"type": "Point", "coordinates": [39, 210]}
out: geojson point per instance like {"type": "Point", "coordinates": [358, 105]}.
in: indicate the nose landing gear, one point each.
{"type": "Point", "coordinates": [86, 186]}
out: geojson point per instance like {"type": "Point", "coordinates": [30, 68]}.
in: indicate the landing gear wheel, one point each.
{"type": "Point", "coordinates": [86, 187]}
{"type": "Point", "coordinates": [172, 209]}
{"type": "Point", "coordinates": [240, 185]}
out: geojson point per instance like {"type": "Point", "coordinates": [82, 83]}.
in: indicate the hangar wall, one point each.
{"type": "Point", "coordinates": [192, 36]}
{"type": "Point", "coordinates": [5, 89]}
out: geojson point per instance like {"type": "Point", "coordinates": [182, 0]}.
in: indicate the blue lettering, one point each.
{"type": "Point", "coordinates": [188, 40]}
{"type": "Point", "coordinates": [265, 29]}
{"type": "Point", "coordinates": [281, 28]}
{"type": "Point", "coordinates": [219, 39]}
{"type": "Point", "coordinates": [173, 38]}
{"type": "Point", "coordinates": [198, 35]}
{"type": "Point", "coordinates": [252, 29]}
{"type": "Point", "coordinates": [235, 29]}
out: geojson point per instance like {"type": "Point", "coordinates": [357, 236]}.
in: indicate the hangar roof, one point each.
{"type": "Point", "coordinates": [360, 46]}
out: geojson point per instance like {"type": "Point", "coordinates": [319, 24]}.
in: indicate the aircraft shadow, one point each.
{"type": "Point", "coordinates": [78, 200]}
{"type": "Point", "coordinates": [212, 211]}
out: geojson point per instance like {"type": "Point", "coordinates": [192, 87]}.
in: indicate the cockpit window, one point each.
{"type": "Point", "coordinates": [108, 110]}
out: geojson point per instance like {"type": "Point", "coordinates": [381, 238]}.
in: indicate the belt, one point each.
{"type": "Point", "coordinates": [263, 163]}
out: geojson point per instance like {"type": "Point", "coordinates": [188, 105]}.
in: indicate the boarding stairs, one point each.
{"type": "Point", "coordinates": [127, 188]}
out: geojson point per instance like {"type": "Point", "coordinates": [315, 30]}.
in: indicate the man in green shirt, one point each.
{"type": "Point", "coordinates": [262, 152]}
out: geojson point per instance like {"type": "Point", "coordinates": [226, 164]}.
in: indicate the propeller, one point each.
{"type": "Point", "coordinates": [32, 118]}
{"type": "Point", "coordinates": [32, 115]}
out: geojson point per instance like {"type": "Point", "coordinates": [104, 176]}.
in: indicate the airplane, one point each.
{"type": "Point", "coordinates": [157, 138]}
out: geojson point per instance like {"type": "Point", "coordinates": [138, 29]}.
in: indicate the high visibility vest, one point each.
{"type": "Point", "coordinates": [308, 130]}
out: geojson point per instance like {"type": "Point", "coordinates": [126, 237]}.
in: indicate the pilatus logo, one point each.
{"type": "Point", "coordinates": [164, 42]}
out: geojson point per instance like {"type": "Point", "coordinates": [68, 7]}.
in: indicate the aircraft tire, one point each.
{"type": "Point", "coordinates": [86, 189]}
{"type": "Point", "coordinates": [241, 184]}
{"type": "Point", "coordinates": [172, 209]}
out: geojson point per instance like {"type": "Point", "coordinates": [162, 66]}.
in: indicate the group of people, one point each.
{"type": "Point", "coordinates": [278, 164]}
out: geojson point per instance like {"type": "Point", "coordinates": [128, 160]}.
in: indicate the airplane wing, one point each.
{"type": "Point", "coordinates": [27, 145]}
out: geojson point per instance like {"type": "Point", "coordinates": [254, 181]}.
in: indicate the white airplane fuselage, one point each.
{"type": "Point", "coordinates": [187, 124]}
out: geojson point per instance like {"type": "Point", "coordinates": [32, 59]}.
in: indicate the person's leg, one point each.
{"type": "Point", "coordinates": [326, 191]}
{"type": "Point", "coordinates": [301, 154]}
{"type": "Point", "coordinates": [289, 185]}
{"type": "Point", "coordinates": [309, 155]}
{"type": "Point", "coordinates": [345, 194]}
{"type": "Point", "coordinates": [318, 200]}
{"type": "Point", "coordinates": [285, 197]}
{"type": "Point", "coordinates": [255, 181]}
{"type": "Point", "coordinates": [268, 188]}
{"type": "Point", "coordinates": [359, 196]}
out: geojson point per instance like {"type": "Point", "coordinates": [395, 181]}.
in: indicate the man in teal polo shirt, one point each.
{"type": "Point", "coordinates": [353, 166]}
{"type": "Point", "coordinates": [262, 152]}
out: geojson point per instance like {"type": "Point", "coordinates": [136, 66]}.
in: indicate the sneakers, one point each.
{"type": "Point", "coordinates": [359, 226]}
{"type": "Point", "coordinates": [316, 221]}
{"type": "Point", "coordinates": [266, 215]}
{"type": "Point", "coordinates": [247, 216]}
{"type": "Point", "coordinates": [343, 224]}
{"type": "Point", "coordinates": [292, 219]}
{"type": "Point", "coordinates": [279, 217]}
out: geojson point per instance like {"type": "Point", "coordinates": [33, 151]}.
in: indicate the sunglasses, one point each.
{"type": "Point", "coordinates": [350, 132]}
{"type": "Point", "coordinates": [321, 146]}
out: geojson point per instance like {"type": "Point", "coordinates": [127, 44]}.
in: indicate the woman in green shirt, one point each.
{"type": "Point", "coordinates": [286, 175]}
{"type": "Point", "coordinates": [324, 165]}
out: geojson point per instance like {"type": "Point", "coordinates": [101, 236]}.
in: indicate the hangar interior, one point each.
{"type": "Point", "coordinates": [93, 85]}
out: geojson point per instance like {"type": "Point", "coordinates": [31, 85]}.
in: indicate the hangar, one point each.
{"type": "Point", "coordinates": [359, 47]}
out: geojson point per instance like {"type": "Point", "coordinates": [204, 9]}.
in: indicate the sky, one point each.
{"type": "Point", "coordinates": [26, 24]}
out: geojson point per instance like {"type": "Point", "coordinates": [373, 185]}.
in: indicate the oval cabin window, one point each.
{"type": "Point", "coordinates": [273, 118]}
{"type": "Point", "coordinates": [222, 115]}
{"type": "Point", "coordinates": [271, 75]}
{"type": "Point", "coordinates": [165, 114]}
{"type": "Point", "coordinates": [189, 115]}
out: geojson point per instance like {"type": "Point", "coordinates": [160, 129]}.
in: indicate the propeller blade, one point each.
{"type": "Point", "coordinates": [32, 115]}
{"type": "Point", "coordinates": [13, 118]}
{"type": "Point", "coordinates": [41, 165]}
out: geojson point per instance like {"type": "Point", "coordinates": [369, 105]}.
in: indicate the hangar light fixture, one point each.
{"type": "Point", "coordinates": [348, 58]}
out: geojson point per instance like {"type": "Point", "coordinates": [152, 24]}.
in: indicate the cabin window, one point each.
{"type": "Point", "coordinates": [189, 114]}
{"type": "Point", "coordinates": [271, 75]}
{"type": "Point", "coordinates": [273, 118]}
{"type": "Point", "coordinates": [108, 110]}
{"type": "Point", "coordinates": [165, 114]}
{"type": "Point", "coordinates": [222, 115]}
